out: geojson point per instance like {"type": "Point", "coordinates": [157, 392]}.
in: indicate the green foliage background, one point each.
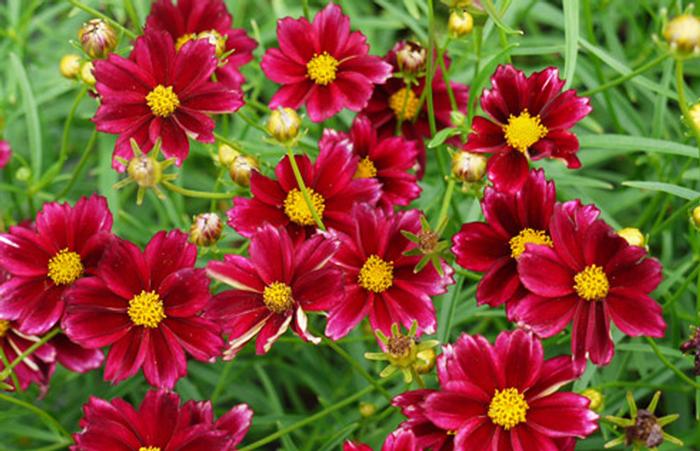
{"type": "Point", "coordinates": [640, 168]}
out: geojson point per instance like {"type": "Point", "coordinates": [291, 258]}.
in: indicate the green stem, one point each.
{"type": "Point", "coordinates": [305, 5]}
{"type": "Point", "coordinates": [446, 76]}
{"type": "Point", "coordinates": [446, 201]}
{"type": "Point", "coordinates": [619, 80]}
{"type": "Point", "coordinates": [80, 166]}
{"type": "Point", "coordinates": [107, 19]}
{"type": "Point", "coordinates": [13, 376]}
{"type": "Point", "coordinates": [196, 194]}
{"type": "Point", "coordinates": [304, 190]}
{"type": "Point", "coordinates": [48, 419]}
{"type": "Point", "coordinates": [251, 122]}
{"type": "Point", "coordinates": [129, 6]}
{"type": "Point", "coordinates": [683, 103]}
{"type": "Point", "coordinates": [670, 365]}
{"type": "Point", "coordinates": [429, 83]}
{"type": "Point", "coordinates": [27, 352]}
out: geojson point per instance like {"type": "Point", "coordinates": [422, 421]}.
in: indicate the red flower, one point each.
{"type": "Point", "coordinates": [274, 288]}
{"type": "Point", "coordinates": [206, 19]}
{"type": "Point", "coordinates": [37, 367]}
{"type": "Point", "coordinates": [322, 64]}
{"type": "Point", "coordinates": [394, 100]}
{"type": "Point", "coordinates": [5, 153]}
{"type": "Point", "coordinates": [161, 93]}
{"type": "Point", "coordinates": [74, 357]}
{"type": "Point", "coordinates": [494, 247]}
{"type": "Point", "coordinates": [147, 307]}
{"type": "Point", "coordinates": [160, 423]}
{"type": "Point", "coordinates": [390, 160]}
{"type": "Point", "coordinates": [590, 276]}
{"type": "Point", "coordinates": [279, 202]}
{"type": "Point", "coordinates": [428, 435]}
{"type": "Point", "coordinates": [380, 280]}
{"type": "Point", "coordinates": [504, 396]}
{"type": "Point", "coordinates": [45, 260]}
{"type": "Point", "coordinates": [530, 118]}
{"type": "Point", "coordinates": [399, 440]}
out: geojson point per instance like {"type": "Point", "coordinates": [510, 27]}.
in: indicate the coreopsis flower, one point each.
{"type": "Point", "coordinates": [331, 185]}
{"type": "Point", "coordinates": [97, 38]}
{"type": "Point", "coordinates": [323, 65]}
{"type": "Point", "coordinates": [161, 93]}
{"type": "Point", "coordinates": [160, 423]}
{"type": "Point", "coordinates": [208, 20]}
{"type": "Point", "coordinates": [283, 125]}
{"type": "Point", "coordinates": [395, 101]}
{"type": "Point", "coordinates": [36, 368]}
{"type": "Point", "coordinates": [588, 275]}
{"type": "Point", "coordinates": [380, 281]}
{"type": "Point", "coordinates": [206, 229]}
{"type": "Point", "coordinates": [428, 435]}
{"type": "Point", "coordinates": [399, 440]}
{"type": "Point", "coordinates": [530, 119]}
{"type": "Point", "coordinates": [5, 153]}
{"type": "Point", "coordinates": [274, 289]}
{"type": "Point", "coordinates": [513, 220]}
{"type": "Point", "coordinates": [44, 261]}
{"type": "Point", "coordinates": [389, 160]}
{"type": "Point", "coordinates": [504, 396]}
{"type": "Point", "coordinates": [147, 307]}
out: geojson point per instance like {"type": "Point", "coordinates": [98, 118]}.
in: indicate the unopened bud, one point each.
{"type": "Point", "coordinates": [69, 66]}
{"type": "Point", "coordinates": [426, 361]}
{"type": "Point", "coordinates": [695, 216]}
{"type": "Point", "coordinates": [633, 236]}
{"type": "Point", "coordinates": [86, 74]}
{"type": "Point", "coordinates": [468, 166]}
{"type": "Point", "coordinates": [367, 409]}
{"type": "Point", "coordinates": [23, 174]}
{"type": "Point", "coordinates": [97, 38]}
{"type": "Point", "coordinates": [284, 124]}
{"type": "Point", "coordinates": [145, 171]}
{"type": "Point", "coordinates": [241, 169]}
{"type": "Point", "coordinates": [411, 57]}
{"type": "Point", "coordinates": [596, 398]}
{"type": "Point", "coordinates": [227, 154]}
{"type": "Point", "coordinates": [683, 33]}
{"type": "Point", "coordinates": [460, 23]}
{"type": "Point", "coordinates": [206, 229]}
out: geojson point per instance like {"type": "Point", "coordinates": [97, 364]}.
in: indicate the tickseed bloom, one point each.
{"type": "Point", "coordinates": [159, 93]}
{"type": "Point", "coordinates": [147, 307]}
{"type": "Point", "coordinates": [207, 20]}
{"type": "Point", "coordinates": [160, 423]}
{"type": "Point", "coordinates": [36, 368]}
{"type": "Point", "coordinates": [683, 33]}
{"type": "Point", "coordinates": [380, 281]}
{"type": "Point", "coordinates": [206, 229]}
{"type": "Point", "coordinates": [530, 119]}
{"type": "Point", "coordinates": [513, 220]}
{"type": "Point", "coordinates": [5, 153]}
{"type": "Point", "coordinates": [274, 289]}
{"type": "Point", "coordinates": [331, 184]}
{"type": "Point", "coordinates": [504, 396]}
{"type": "Point", "coordinates": [323, 65]}
{"type": "Point", "coordinates": [44, 261]}
{"type": "Point", "coordinates": [588, 275]}
{"type": "Point", "coordinates": [97, 38]}
{"type": "Point", "coordinates": [283, 125]}
{"type": "Point", "coordinates": [399, 440]}
{"type": "Point", "coordinates": [428, 435]}
{"type": "Point", "coordinates": [389, 160]}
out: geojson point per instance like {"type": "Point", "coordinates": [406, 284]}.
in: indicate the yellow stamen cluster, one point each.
{"type": "Point", "coordinates": [149, 448]}
{"type": "Point", "coordinates": [405, 104]}
{"type": "Point", "coordinates": [508, 408]}
{"type": "Point", "coordinates": [184, 39]}
{"type": "Point", "coordinates": [4, 327]}
{"type": "Point", "coordinates": [528, 235]}
{"type": "Point", "coordinates": [523, 131]}
{"type": "Point", "coordinates": [146, 309]}
{"type": "Point", "coordinates": [591, 284]}
{"type": "Point", "coordinates": [65, 267]}
{"type": "Point", "coordinates": [297, 210]}
{"type": "Point", "coordinates": [365, 169]}
{"type": "Point", "coordinates": [162, 101]}
{"type": "Point", "coordinates": [376, 275]}
{"type": "Point", "coordinates": [278, 297]}
{"type": "Point", "coordinates": [322, 68]}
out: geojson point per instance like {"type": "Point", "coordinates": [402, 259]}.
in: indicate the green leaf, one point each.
{"type": "Point", "coordinates": [496, 17]}
{"type": "Point", "coordinates": [636, 143]}
{"type": "Point", "coordinates": [571, 30]}
{"type": "Point", "coordinates": [442, 136]}
{"type": "Point", "coordinates": [676, 190]}
{"type": "Point", "coordinates": [412, 8]}
{"type": "Point", "coordinates": [32, 114]}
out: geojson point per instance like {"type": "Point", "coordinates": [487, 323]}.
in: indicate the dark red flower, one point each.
{"type": "Point", "coordinates": [590, 276]}
{"type": "Point", "coordinates": [380, 281]}
{"type": "Point", "coordinates": [394, 100]}
{"type": "Point", "coordinates": [206, 19]}
{"type": "Point", "coordinates": [159, 424]}
{"type": "Point", "coordinates": [428, 435]}
{"type": "Point", "coordinates": [504, 396]}
{"type": "Point", "coordinates": [5, 153]}
{"type": "Point", "coordinates": [74, 357]}
{"type": "Point", "coordinates": [147, 307]}
{"type": "Point", "coordinates": [274, 288]}
{"type": "Point", "coordinates": [46, 259]}
{"type": "Point", "coordinates": [332, 187]}
{"type": "Point", "coordinates": [322, 64]}
{"type": "Point", "coordinates": [399, 440]}
{"type": "Point", "coordinates": [390, 160]}
{"type": "Point", "coordinates": [494, 246]}
{"type": "Point", "coordinates": [530, 119]}
{"type": "Point", "coordinates": [37, 367]}
{"type": "Point", "coordinates": [159, 93]}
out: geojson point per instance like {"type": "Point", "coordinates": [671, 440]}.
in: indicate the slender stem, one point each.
{"type": "Point", "coordinates": [305, 5]}
{"type": "Point", "coordinates": [108, 19]}
{"type": "Point", "coordinates": [619, 80]}
{"type": "Point", "coordinates": [429, 83]}
{"type": "Point", "coordinates": [196, 194]}
{"type": "Point", "coordinates": [80, 166]}
{"type": "Point", "coordinates": [446, 76]}
{"type": "Point", "coordinates": [670, 365]}
{"type": "Point", "coordinates": [446, 201]}
{"type": "Point", "coordinates": [304, 190]}
{"type": "Point", "coordinates": [229, 142]}
{"type": "Point", "coordinates": [683, 103]}
{"type": "Point", "coordinates": [251, 122]}
{"type": "Point", "coordinates": [50, 421]}
{"type": "Point", "coordinates": [27, 352]}
{"type": "Point", "coordinates": [13, 376]}
{"type": "Point", "coordinates": [131, 11]}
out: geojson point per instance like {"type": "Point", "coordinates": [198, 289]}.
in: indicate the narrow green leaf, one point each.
{"type": "Point", "coordinates": [635, 144]}
{"type": "Point", "coordinates": [441, 136]}
{"type": "Point", "coordinates": [496, 17]}
{"type": "Point", "coordinates": [31, 113]}
{"type": "Point", "coordinates": [571, 31]}
{"type": "Point", "coordinates": [412, 8]}
{"type": "Point", "coordinates": [676, 190]}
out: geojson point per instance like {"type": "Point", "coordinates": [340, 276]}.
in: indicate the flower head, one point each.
{"type": "Point", "coordinates": [147, 307]}
{"type": "Point", "coordinates": [530, 119]}
{"type": "Point", "coordinates": [468, 167]}
{"type": "Point", "coordinates": [322, 64]}
{"type": "Point", "coordinates": [411, 58]}
{"type": "Point", "coordinates": [460, 23]}
{"type": "Point", "coordinates": [242, 168]}
{"type": "Point", "coordinates": [36, 368]}
{"type": "Point", "coordinates": [5, 153]}
{"type": "Point", "coordinates": [97, 38]}
{"type": "Point", "coordinates": [274, 289]}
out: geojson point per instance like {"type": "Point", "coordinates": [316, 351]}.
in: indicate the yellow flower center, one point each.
{"type": "Point", "coordinates": [591, 284]}
{"type": "Point", "coordinates": [278, 297]}
{"type": "Point", "coordinates": [322, 68]}
{"type": "Point", "coordinates": [146, 309]}
{"type": "Point", "coordinates": [297, 210]}
{"type": "Point", "coordinates": [405, 104]}
{"type": "Point", "coordinates": [65, 267]}
{"type": "Point", "coordinates": [524, 130]}
{"type": "Point", "coordinates": [149, 448]}
{"type": "Point", "coordinates": [163, 101]}
{"type": "Point", "coordinates": [366, 169]}
{"type": "Point", "coordinates": [508, 408]}
{"type": "Point", "coordinates": [4, 327]}
{"type": "Point", "coordinates": [184, 39]}
{"type": "Point", "coordinates": [376, 275]}
{"type": "Point", "coordinates": [528, 235]}
{"type": "Point", "coordinates": [215, 39]}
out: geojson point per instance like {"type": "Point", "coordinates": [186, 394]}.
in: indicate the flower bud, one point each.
{"type": "Point", "coordinates": [695, 217]}
{"type": "Point", "coordinates": [227, 154]}
{"type": "Point", "coordinates": [460, 23]}
{"type": "Point", "coordinates": [5, 153]}
{"type": "Point", "coordinates": [23, 174]}
{"type": "Point", "coordinates": [426, 361]}
{"type": "Point", "coordinates": [468, 166]}
{"type": "Point", "coordinates": [284, 124]}
{"type": "Point", "coordinates": [145, 171]}
{"type": "Point", "coordinates": [69, 66]}
{"type": "Point", "coordinates": [367, 409]}
{"type": "Point", "coordinates": [457, 118]}
{"type": "Point", "coordinates": [206, 229]}
{"type": "Point", "coordinates": [695, 115]}
{"type": "Point", "coordinates": [411, 57]}
{"type": "Point", "coordinates": [241, 169]}
{"type": "Point", "coordinates": [683, 33]}
{"type": "Point", "coordinates": [596, 398]}
{"type": "Point", "coordinates": [98, 38]}
{"type": "Point", "coordinates": [86, 74]}
{"type": "Point", "coordinates": [633, 236]}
